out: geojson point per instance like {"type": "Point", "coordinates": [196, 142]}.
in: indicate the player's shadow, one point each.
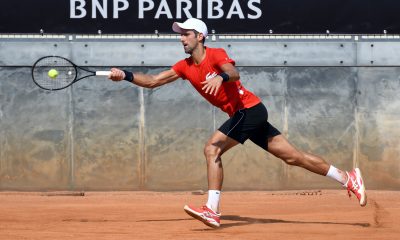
{"type": "Point", "coordinates": [240, 221]}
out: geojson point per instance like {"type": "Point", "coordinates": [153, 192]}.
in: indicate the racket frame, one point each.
{"type": "Point", "coordinates": [76, 67]}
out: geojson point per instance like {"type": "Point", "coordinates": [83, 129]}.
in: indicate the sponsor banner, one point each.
{"type": "Point", "coordinates": [223, 16]}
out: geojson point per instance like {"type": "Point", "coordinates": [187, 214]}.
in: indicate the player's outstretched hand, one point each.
{"type": "Point", "coordinates": [116, 74]}
{"type": "Point", "coordinates": [212, 85]}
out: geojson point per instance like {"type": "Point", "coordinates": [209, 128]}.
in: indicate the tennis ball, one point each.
{"type": "Point", "coordinates": [53, 73]}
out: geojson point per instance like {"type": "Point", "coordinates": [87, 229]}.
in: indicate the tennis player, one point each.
{"type": "Point", "coordinates": [213, 74]}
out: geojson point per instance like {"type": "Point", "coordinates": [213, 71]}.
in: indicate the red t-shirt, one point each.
{"type": "Point", "coordinates": [231, 96]}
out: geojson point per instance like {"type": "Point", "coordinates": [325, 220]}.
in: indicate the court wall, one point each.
{"type": "Point", "coordinates": [335, 96]}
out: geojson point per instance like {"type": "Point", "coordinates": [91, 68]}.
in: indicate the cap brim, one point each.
{"type": "Point", "coordinates": [178, 27]}
{"type": "Point", "coordinates": [182, 28]}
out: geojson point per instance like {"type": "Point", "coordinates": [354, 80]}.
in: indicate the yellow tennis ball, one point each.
{"type": "Point", "coordinates": [53, 73]}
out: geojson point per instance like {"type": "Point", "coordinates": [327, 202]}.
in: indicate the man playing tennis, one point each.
{"type": "Point", "coordinates": [213, 74]}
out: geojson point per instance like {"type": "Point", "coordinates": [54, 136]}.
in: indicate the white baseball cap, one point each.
{"type": "Point", "coordinates": [190, 24]}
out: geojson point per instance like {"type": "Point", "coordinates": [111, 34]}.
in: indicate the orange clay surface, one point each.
{"type": "Point", "coordinates": [286, 215]}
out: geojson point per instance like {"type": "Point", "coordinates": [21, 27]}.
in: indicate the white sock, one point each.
{"type": "Point", "coordinates": [336, 174]}
{"type": "Point", "coordinates": [213, 200]}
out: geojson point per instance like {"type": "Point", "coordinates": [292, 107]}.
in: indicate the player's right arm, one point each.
{"type": "Point", "coordinates": [146, 80]}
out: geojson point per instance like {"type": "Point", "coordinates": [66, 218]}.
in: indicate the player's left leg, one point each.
{"type": "Point", "coordinates": [237, 129]}
{"type": "Point", "coordinates": [213, 150]}
{"type": "Point", "coordinates": [218, 144]}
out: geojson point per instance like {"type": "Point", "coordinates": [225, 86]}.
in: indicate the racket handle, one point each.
{"type": "Point", "coordinates": [103, 73]}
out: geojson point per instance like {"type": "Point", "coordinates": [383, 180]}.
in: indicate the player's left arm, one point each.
{"type": "Point", "coordinates": [229, 74]}
{"type": "Point", "coordinates": [231, 71]}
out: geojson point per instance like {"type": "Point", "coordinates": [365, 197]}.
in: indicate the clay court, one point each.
{"type": "Point", "coordinates": [328, 73]}
{"type": "Point", "coordinates": [313, 214]}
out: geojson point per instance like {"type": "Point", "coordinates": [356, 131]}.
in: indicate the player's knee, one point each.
{"type": "Point", "coordinates": [291, 161]}
{"type": "Point", "coordinates": [294, 159]}
{"type": "Point", "coordinates": [211, 151]}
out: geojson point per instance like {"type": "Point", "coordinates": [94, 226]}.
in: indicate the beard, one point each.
{"type": "Point", "coordinates": [188, 49]}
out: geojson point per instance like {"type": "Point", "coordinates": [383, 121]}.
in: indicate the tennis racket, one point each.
{"type": "Point", "coordinates": [64, 73]}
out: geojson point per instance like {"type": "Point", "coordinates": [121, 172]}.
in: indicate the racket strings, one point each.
{"type": "Point", "coordinates": [66, 73]}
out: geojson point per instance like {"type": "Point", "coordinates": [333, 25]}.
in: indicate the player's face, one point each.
{"type": "Point", "coordinates": [189, 41]}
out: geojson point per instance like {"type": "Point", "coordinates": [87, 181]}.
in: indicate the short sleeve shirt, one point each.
{"type": "Point", "coordinates": [231, 96]}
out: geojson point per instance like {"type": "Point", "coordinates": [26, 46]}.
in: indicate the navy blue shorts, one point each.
{"type": "Point", "coordinates": [250, 123]}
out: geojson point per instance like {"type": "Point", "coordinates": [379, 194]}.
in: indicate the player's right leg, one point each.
{"type": "Point", "coordinates": [355, 184]}
{"type": "Point", "coordinates": [281, 148]}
